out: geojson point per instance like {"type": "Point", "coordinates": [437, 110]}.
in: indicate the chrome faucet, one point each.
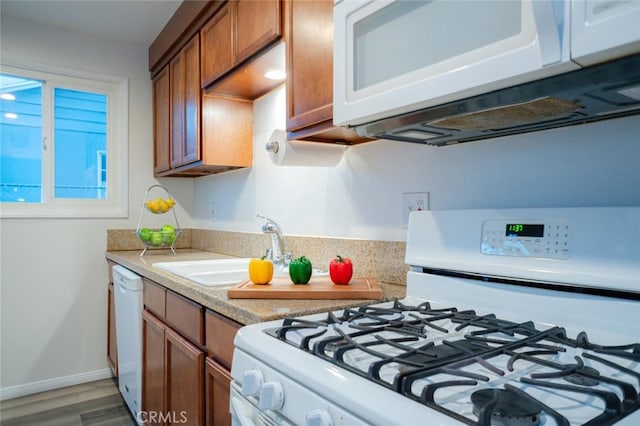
{"type": "Point", "coordinates": [276, 253]}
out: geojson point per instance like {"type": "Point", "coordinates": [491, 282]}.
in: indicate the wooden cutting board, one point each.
{"type": "Point", "coordinates": [317, 288]}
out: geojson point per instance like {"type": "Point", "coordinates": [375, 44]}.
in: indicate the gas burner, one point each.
{"type": "Point", "coordinates": [582, 375]}
{"type": "Point", "coordinates": [502, 407]}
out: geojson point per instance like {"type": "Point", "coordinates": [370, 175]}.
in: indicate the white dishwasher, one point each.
{"type": "Point", "coordinates": [128, 301]}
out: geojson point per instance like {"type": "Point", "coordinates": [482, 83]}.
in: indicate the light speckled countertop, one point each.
{"type": "Point", "coordinates": [245, 311]}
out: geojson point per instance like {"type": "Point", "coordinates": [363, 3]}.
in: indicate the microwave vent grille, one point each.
{"type": "Point", "coordinates": [534, 111]}
{"type": "Point", "coordinates": [599, 92]}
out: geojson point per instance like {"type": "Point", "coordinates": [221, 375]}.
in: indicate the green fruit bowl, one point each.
{"type": "Point", "coordinates": [157, 237]}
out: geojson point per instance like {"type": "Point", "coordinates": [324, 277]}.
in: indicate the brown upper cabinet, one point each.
{"type": "Point", "coordinates": [210, 60]}
{"type": "Point", "coordinates": [309, 57]}
{"type": "Point", "coordinates": [198, 132]}
{"type": "Point", "coordinates": [184, 72]}
{"type": "Point", "coordinates": [240, 29]}
{"type": "Point", "coordinates": [176, 111]}
{"type": "Point", "coordinates": [190, 138]}
{"type": "Point", "coordinates": [258, 25]}
{"type": "Point", "coordinates": [161, 121]}
{"type": "Point", "coordinates": [217, 47]}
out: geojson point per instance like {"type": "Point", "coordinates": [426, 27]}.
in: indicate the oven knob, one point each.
{"type": "Point", "coordinates": [271, 396]}
{"type": "Point", "coordinates": [318, 417]}
{"type": "Point", "coordinates": [251, 382]}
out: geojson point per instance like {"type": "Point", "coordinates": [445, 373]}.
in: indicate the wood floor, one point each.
{"type": "Point", "coordinates": [97, 403]}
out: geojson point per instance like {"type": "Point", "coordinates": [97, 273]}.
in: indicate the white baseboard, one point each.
{"type": "Point", "coordinates": [50, 384]}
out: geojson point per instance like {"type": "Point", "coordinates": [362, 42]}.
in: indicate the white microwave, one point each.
{"type": "Point", "coordinates": [400, 66]}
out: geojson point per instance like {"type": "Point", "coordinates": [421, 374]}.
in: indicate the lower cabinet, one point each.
{"type": "Point", "coordinates": [153, 371]}
{"type": "Point", "coordinates": [172, 375]}
{"type": "Point", "coordinates": [217, 394]}
{"type": "Point", "coordinates": [186, 360]}
{"type": "Point", "coordinates": [184, 375]}
{"type": "Point", "coordinates": [219, 334]}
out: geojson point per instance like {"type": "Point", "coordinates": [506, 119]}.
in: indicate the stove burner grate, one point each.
{"type": "Point", "coordinates": [402, 347]}
{"type": "Point", "coordinates": [631, 352]}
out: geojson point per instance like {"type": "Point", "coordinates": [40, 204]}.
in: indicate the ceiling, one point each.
{"type": "Point", "coordinates": [130, 21]}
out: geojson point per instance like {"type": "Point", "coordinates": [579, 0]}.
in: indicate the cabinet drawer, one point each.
{"type": "Point", "coordinates": [154, 297]}
{"type": "Point", "coordinates": [185, 316]}
{"type": "Point", "coordinates": [220, 332]}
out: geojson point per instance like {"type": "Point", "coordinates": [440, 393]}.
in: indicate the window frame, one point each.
{"type": "Point", "coordinates": [115, 205]}
{"type": "Point", "coordinates": [100, 161]}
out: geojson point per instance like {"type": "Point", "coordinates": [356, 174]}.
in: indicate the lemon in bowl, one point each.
{"type": "Point", "coordinates": [160, 205]}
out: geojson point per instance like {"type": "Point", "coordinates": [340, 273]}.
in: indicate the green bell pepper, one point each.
{"type": "Point", "coordinates": [300, 270]}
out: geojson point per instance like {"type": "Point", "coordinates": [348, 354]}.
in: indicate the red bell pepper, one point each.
{"type": "Point", "coordinates": [341, 270]}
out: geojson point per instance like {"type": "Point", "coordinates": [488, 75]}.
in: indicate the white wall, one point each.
{"type": "Point", "coordinates": [53, 274]}
{"type": "Point", "coordinates": [587, 165]}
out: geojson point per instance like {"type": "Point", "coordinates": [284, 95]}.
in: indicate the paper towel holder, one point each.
{"type": "Point", "coordinates": [272, 147]}
{"type": "Point", "coordinates": [283, 152]}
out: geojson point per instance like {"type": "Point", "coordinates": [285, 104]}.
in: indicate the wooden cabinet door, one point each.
{"type": "Point", "coordinates": [176, 74]}
{"type": "Point", "coordinates": [184, 75]}
{"type": "Point", "coordinates": [217, 394]}
{"type": "Point", "coordinates": [191, 146]}
{"type": "Point", "coordinates": [216, 46]}
{"type": "Point", "coordinates": [309, 43]}
{"type": "Point", "coordinates": [184, 365]}
{"type": "Point", "coordinates": [258, 24]}
{"type": "Point", "coordinates": [161, 121]}
{"type": "Point", "coordinates": [153, 371]}
{"type": "Point", "coordinates": [112, 352]}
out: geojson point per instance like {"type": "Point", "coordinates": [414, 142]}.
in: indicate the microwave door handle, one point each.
{"type": "Point", "coordinates": [549, 21]}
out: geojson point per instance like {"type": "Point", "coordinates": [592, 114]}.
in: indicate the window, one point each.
{"type": "Point", "coordinates": [63, 144]}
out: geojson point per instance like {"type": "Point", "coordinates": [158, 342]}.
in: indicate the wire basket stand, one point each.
{"type": "Point", "coordinates": [166, 236]}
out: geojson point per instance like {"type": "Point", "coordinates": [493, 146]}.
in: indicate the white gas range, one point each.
{"type": "Point", "coordinates": [512, 317]}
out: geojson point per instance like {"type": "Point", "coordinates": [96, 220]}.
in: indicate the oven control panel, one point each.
{"type": "Point", "coordinates": [548, 239]}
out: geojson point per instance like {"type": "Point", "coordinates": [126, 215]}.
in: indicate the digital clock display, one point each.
{"type": "Point", "coordinates": [525, 230]}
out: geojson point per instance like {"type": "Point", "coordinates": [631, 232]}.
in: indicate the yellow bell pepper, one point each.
{"type": "Point", "coordinates": [260, 271]}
